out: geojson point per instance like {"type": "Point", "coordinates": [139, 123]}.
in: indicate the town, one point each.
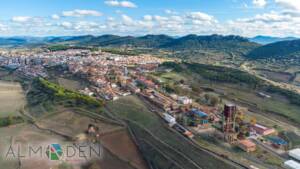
{"type": "Point", "coordinates": [112, 76]}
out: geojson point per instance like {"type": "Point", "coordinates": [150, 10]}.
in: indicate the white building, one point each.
{"type": "Point", "coordinates": [295, 153]}
{"type": "Point", "coordinates": [291, 164]}
{"type": "Point", "coordinates": [170, 119]}
{"type": "Point", "coordinates": [184, 100]}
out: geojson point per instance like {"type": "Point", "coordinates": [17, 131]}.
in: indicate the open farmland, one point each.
{"type": "Point", "coordinates": [52, 122]}
{"type": "Point", "coordinates": [26, 135]}
{"type": "Point", "coordinates": [275, 76]}
{"type": "Point", "coordinates": [70, 84]}
{"type": "Point", "coordinates": [70, 123]}
{"type": "Point", "coordinates": [11, 98]}
{"type": "Point", "coordinates": [127, 151]}
{"type": "Point", "coordinates": [61, 127]}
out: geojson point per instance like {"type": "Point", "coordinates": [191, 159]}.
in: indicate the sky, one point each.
{"type": "Point", "coordinates": [139, 17]}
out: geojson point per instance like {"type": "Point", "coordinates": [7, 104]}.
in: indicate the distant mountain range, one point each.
{"type": "Point", "coordinates": [269, 39]}
{"type": "Point", "coordinates": [212, 43]}
{"type": "Point", "coordinates": [220, 43]}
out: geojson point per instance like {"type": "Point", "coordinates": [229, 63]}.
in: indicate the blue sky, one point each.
{"type": "Point", "coordinates": [139, 17]}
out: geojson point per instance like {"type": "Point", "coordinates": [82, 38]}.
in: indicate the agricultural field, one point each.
{"type": "Point", "coordinates": [72, 124]}
{"type": "Point", "coordinates": [53, 121]}
{"type": "Point", "coordinates": [59, 127]}
{"type": "Point", "coordinates": [26, 135]}
{"type": "Point", "coordinates": [12, 98]}
{"type": "Point", "coordinates": [275, 76]}
{"type": "Point", "coordinates": [127, 151]}
{"type": "Point", "coordinates": [70, 84]}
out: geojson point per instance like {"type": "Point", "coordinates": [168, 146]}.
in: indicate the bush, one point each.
{"type": "Point", "coordinates": [11, 120]}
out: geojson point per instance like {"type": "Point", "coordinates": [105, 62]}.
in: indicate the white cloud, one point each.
{"type": "Point", "coordinates": [3, 27]}
{"type": "Point", "coordinates": [275, 23]}
{"type": "Point", "coordinates": [290, 4]}
{"type": "Point", "coordinates": [148, 18]}
{"type": "Point", "coordinates": [66, 25]}
{"type": "Point", "coordinates": [200, 18]}
{"type": "Point", "coordinates": [21, 18]}
{"type": "Point", "coordinates": [268, 18]}
{"type": "Point", "coordinates": [168, 11]}
{"type": "Point", "coordinates": [86, 26]}
{"type": "Point", "coordinates": [272, 23]}
{"type": "Point", "coordinates": [128, 21]}
{"type": "Point", "coordinates": [55, 16]}
{"type": "Point", "coordinates": [81, 13]}
{"type": "Point", "coordinates": [116, 3]}
{"type": "Point", "coordinates": [259, 3]}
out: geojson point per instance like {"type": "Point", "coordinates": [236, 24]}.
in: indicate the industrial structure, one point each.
{"type": "Point", "coordinates": [228, 122]}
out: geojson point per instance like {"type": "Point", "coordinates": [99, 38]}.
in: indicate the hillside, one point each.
{"type": "Point", "coordinates": [235, 44]}
{"type": "Point", "coordinates": [214, 42]}
{"type": "Point", "coordinates": [269, 39]}
{"type": "Point", "coordinates": [11, 41]}
{"type": "Point", "coordinates": [189, 42]}
{"type": "Point", "coordinates": [278, 50]}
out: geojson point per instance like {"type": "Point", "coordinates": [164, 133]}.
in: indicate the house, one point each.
{"type": "Point", "coordinates": [133, 88]}
{"type": "Point", "coordinates": [184, 100]}
{"type": "Point", "coordinates": [247, 145]}
{"type": "Point", "coordinates": [262, 130]}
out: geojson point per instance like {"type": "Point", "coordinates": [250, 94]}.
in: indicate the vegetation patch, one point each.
{"type": "Point", "coordinates": [11, 120]}
{"type": "Point", "coordinates": [215, 73]}
{"type": "Point", "coordinates": [56, 92]}
{"type": "Point", "coordinates": [293, 97]}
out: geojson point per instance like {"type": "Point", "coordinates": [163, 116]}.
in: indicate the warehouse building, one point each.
{"type": "Point", "coordinates": [291, 164]}
{"type": "Point", "coordinates": [247, 145]}
{"type": "Point", "coordinates": [262, 130]}
{"type": "Point", "coordinates": [295, 154]}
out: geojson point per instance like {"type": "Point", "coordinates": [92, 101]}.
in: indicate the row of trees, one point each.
{"type": "Point", "coordinates": [58, 92]}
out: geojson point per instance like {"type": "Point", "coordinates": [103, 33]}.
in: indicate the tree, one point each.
{"type": "Point", "coordinates": [214, 100]}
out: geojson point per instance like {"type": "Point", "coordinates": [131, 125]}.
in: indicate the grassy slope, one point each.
{"type": "Point", "coordinates": [133, 109]}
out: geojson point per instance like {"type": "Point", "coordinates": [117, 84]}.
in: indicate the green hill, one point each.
{"type": "Point", "coordinates": [278, 50]}
{"type": "Point", "coordinates": [208, 44]}
{"type": "Point", "coordinates": [214, 42]}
